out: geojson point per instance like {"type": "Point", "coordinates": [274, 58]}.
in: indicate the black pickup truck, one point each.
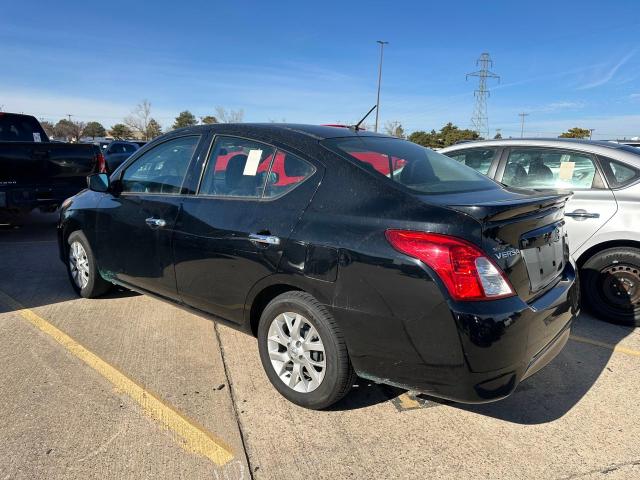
{"type": "Point", "coordinates": [38, 173]}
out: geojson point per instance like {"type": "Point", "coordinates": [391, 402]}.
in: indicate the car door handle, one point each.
{"type": "Point", "coordinates": [266, 239]}
{"type": "Point", "coordinates": [155, 222]}
{"type": "Point", "coordinates": [580, 213]}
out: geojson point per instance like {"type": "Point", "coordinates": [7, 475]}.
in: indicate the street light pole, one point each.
{"type": "Point", "coordinates": [382, 44]}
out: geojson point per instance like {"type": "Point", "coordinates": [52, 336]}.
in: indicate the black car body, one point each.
{"type": "Point", "coordinates": [340, 232]}
{"type": "Point", "coordinates": [35, 172]}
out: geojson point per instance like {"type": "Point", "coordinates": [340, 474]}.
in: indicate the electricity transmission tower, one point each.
{"type": "Point", "coordinates": [480, 121]}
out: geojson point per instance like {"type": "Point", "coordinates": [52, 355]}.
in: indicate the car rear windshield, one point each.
{"type": "Point", "coordinates": [20, 128]}
{"type": "Point", "coordinates": [411, 165]}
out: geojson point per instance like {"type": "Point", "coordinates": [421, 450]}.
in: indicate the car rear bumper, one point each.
{"type": "Point", "coordinates": [491, 346]}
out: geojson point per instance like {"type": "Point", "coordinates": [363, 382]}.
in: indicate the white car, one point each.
{"type": "Point", "coordinates": [602, 216]}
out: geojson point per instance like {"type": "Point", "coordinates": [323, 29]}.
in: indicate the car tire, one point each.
{"type": "Point", "coordinates": [611, 285]}
{"type": "Point", "coordinates": [288, 355]}
{"type": "Point", "coordinates": [82, 268]}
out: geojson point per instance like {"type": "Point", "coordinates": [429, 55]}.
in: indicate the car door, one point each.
{"type": "Point", "coordinates": [233, 231]}
{"type": "Point", "coordinates": [136, 223]}
{"type": "Point", "coordinates": [591, 205]}
{"type": "Point", "coordinates": [481, 159]}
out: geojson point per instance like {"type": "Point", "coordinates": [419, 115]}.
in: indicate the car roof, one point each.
{"type": "Point", "coordinates": [283, 130]}
{"type": "Point", "coordinates": [598, 147]}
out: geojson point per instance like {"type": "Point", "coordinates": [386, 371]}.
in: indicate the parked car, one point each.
{"type": "Point", "coordinates": [36, 172]}
{"type": "Point", "coordinates": [117, 152]}
{"type": "Point", "coordinates": [601, 216]}
{"type": "Point", "coordinates": [431, 277]}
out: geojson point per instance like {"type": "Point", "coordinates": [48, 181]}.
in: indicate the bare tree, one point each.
{"type": "Point", "coordinates": [229, 116]}
{"type": "Point", "coordinates": [139, 119]}
{"type": "Point", "coordinates": [69, 130]}
{"type": "Point", "coordinates": [394, 128]}
{"type": "Point", "coordinates": [77, 129]}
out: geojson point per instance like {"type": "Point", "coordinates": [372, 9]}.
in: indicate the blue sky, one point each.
{"type": "Point", "coordinates": [565, 63]}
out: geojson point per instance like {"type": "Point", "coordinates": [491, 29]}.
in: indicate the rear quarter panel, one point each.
{"type": "Point", "coordinates": [624, 225]}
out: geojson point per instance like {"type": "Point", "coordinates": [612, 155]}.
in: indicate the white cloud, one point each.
{"type": "Point", "coordinates": [604, 77]}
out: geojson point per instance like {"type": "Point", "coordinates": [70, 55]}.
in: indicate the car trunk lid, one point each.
{"type": "Point", "coordinates": [522, 231]}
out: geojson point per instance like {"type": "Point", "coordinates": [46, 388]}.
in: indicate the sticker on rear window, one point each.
{"type": "Point", "coordinates": [253, 160]}
{"type": "Point", "coordinates": [36, 137]}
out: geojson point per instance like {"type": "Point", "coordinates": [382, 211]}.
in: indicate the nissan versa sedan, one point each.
{"type": "Point", "coordinates": [601, 217]}
{"type": "Point", "coordinates": [344, 252]}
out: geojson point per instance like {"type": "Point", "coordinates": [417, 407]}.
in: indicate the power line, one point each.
{"type": "Point", "coordinates": [480, 120]}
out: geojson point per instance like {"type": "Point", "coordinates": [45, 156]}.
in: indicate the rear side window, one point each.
{"type": "Point", "coordinates": [479, 159]}
{"type": "Point", "coordinates": [409, 164]}
{"type": "Point", "coordinates": [286, 173]}
{"type": "Point", "coordinates": [237, 167]}
{"type": "Point", "coordinates": [619, 174]}
{"type": "Point", "coordinates": [549, 168]}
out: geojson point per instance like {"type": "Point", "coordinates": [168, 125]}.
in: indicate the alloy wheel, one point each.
{"type": "Point", "coordinates": [79, 265]}
{"type": "Point", "coordinates": [296, 352]}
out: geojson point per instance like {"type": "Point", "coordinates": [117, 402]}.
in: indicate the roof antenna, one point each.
{"type": "Point", "coordinates": [356, 127]}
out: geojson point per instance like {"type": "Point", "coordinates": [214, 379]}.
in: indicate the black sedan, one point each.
{"type": "Point", "coordinates": [344, 252]}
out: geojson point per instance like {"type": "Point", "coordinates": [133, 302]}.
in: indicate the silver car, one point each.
{"type": "Point", "coordinates": [602, 217]}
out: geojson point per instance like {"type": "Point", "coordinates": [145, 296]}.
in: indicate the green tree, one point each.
{"type": "Point", "coordinates": [576, 132]}
{"type": "Point", "coordinates": [121, 132]}
{"type": "Point", "coordinates": [94, 129]}
{"type": "Point", "coordinates": [448, 135]}
{"type": "Point", "coordinates": [153, 129]}
{"type": "Point", "coordinates": [185, 119]}
{"type": "Point", "coordinates": [68, 130]}
{"type": "Point", "coordinates": [208, 120]}
{"type": "Point", "coordinates": [498, 136]}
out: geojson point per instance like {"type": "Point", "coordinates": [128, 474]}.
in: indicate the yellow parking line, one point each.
{"type": "Point", "coordinates": [615, 348]}
{"type": "Point", "coordinates": [408, 403]}
{"type": "Point", "coordinates": [193, 437]}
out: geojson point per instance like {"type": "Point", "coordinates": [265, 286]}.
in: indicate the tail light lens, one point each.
{"type": "Point", "coordinates": [465, 270]}
{"type": "Point", "coordinates": [102, 163]}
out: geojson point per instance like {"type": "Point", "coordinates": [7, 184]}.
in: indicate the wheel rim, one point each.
{"type": "Point", "coordinates": [79, 265]}
{"type": "Point", "coordinates": [296, 352]}
{"type": "Point", "coordinates": [620, 287]}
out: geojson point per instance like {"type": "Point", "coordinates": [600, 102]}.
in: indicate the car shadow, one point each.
{"type": "Point", "coordinates": [33, 275]}
{"type": "Point", "coordinates": [542, 398]}
{"type": "Point", "coordinates": [556, 389]}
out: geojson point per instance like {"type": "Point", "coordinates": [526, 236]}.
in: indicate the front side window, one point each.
{"type": "Point", "coordinates": [161, 169]}
{"type": "Point", "coordinates": [409, 164]}
{"type": "Point", "coordinates": [237, 167]}
{"type": "Point", "coordinates": [549, 168]}
{"type": "Point", "coordinates": [479, 159]}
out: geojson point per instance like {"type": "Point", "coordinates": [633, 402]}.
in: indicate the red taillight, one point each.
{"type": "Point", "coordinates": [467, 273]}
{"type": "Point", "coordinates": [102, 163]}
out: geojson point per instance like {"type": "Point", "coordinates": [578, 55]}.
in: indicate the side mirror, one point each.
{"type": "Point", "coordinates": [98, 182]}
